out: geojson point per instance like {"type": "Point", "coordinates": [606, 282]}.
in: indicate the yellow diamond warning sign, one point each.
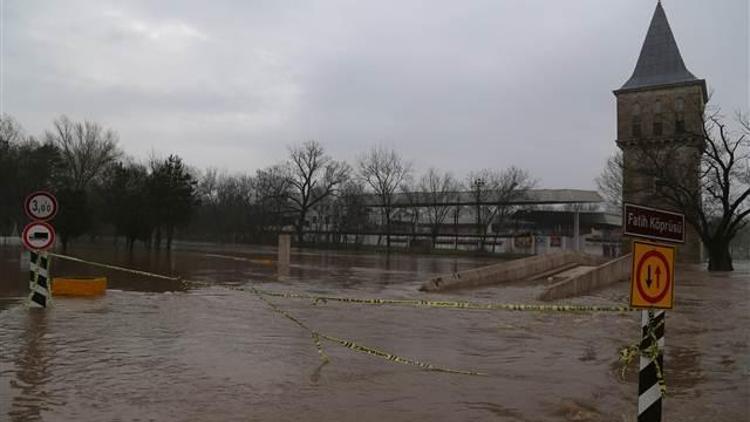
{"type": "Point", "coordinates": [652, 281]}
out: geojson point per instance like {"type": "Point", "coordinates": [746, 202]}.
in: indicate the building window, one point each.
{"type": "Point", "coordinates": [680, 104]}
{"type": "Point", "coordinates": [679, 123]}
{"type": "Point", "coordinates": [636, 125]}
{"type": "Point", "coordinates": [658, 127]}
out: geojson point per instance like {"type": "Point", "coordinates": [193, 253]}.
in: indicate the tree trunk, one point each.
{"type": "Point", "coordinates": [388, 230]}
{"type": "Point", "coordinates": [719, 257]}
{"type": "Point", "coordinates": [301, 227]}
{"type": "Point", "coordinates": [170, 233]}
{"type": "Point", "coordinates": [157, 238]}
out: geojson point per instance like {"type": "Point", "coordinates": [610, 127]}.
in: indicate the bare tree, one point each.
{"type": "Point", "coordinates": [438, 189]}
{"type": "Point", "coordinates": [207, 188]}
{"type": "Point", "coordinates": [350, 210]}
{"type": "Point", "coordinates": [718, 206]}
{"type": "Point", "coordinates": [609, 182]}
{"type": "Point", "coordinates": [85, 149]}
{"type": "Point", "coordinates": [313, 176]}
{"type": "Point", "coordinates": [272, 190]}
{"type": "Point", "coordinates": [384, 171]}
{"type": "Point", "coordinates": [412, 213]}
{"type": "Point", "coordinates": [11, 131]}
{"type": "Point", "coordinates": [496, 192]}
{"type": "Point", "coordinates": [511, 185]}
{"type": "Point", "coordinates": [481, 184]}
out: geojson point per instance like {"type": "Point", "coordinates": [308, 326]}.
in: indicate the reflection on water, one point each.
{"type": "Point", "coordinates": [157, 350]}
{"type": "Point", "coordinates": [32, 361]}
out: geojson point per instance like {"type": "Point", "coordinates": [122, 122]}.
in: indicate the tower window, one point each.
{"type": "Point", "coordinates": [679, 124]}
{"type": "Point", "coordinates": [658, 127]}
{"type": "Point", "coordinates": [636, 127]}
{"type": "Point", "coordinates": [680, 104]}
{"type": "Point", "coordinates": [636, 124]}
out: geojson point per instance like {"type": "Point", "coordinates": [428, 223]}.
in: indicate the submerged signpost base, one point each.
{"type": "Point", "coordinates": [651, 375]}
{"type": "Point", "coordinates": [40, 295]}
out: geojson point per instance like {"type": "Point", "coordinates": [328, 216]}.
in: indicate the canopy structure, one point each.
{"type": "Point", "coordinates": [466, 198]}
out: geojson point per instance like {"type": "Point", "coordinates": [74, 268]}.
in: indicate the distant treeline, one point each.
{"type": "Point", "coordinates": [102, 191]}
{"type": "Point", "coordinates": [99, 190]}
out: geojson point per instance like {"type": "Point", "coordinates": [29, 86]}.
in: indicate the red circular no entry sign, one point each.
{"type": "Point", "coordinates": [662, 266]}
{"type": "Point", "coordinates": [38, 236]}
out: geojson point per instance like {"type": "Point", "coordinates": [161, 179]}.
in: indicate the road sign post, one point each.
{"type": "Point", "coordinates": [652, 285]}
{"type": "Point", "coordinates": [40, 295]}
{"type": "Point", "coordinates": [651, 376]}
{"type": "Point", "coordinates": [37, 237]}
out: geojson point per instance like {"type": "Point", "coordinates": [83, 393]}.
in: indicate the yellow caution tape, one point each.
{"type": "Point", "coordinates": [454, 304]}
{"type": "Point", "coordinates": [653, 353]}
{"type": "Point", "coordinates": [395, 358]}
{"type": "Point", "coordinates": [316, 336]}
{"type": "Point", "coordinates": [629, 353]}
{"type": "Point", "coordinates": [115, 267]}
{"type": "Point", "coordinates": [356, 346]}
{"type": "Point", "coordinates": [240, 258]}
{"type": "Point", "coordinates": [377, 301]}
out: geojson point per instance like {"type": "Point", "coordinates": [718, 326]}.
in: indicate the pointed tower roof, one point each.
{"type": "Point", "coordinates": [660, 62]}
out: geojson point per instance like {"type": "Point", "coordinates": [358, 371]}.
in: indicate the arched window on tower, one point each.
{"type": "Point", "coordinates": [658, 126]}
{"type": "Point", "coordinates": [679, 123]}
{"type": "Point", "coordinates": [636, 126]}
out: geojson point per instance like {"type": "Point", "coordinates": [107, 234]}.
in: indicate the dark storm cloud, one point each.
{"type": "Point", "coordinates": [456, 85]}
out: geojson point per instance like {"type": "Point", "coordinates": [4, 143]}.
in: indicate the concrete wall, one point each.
{"type": "Point", "coordinates": [504, 272]}
{"type": "Point", "coordinates": [614, 271]}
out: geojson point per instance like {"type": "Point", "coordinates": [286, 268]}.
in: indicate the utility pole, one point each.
{"type": "Point", "coordinates": [478, 184]}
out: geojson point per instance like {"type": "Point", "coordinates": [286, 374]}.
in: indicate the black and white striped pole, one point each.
{"type": "Point", "coordinates": [651, 375]}
{"type": "Point", "coordinates": [40, 295]}
{"type": "Point", "coordinates": [652, 285]}
{"type": "Point", "coordinates": [652, 290]}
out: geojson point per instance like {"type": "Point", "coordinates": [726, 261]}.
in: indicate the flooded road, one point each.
{"type": "Point", "coordinates": [159, 350]}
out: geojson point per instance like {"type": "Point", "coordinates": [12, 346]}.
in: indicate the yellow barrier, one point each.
{"type": "Point", "coordinates": [79, 286]}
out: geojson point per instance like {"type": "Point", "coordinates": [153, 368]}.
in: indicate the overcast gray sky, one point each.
{"type": "Point", "coordinates": [458, 85]}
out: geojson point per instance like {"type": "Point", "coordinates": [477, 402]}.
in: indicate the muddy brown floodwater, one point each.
{"type": "Point", "coordinates": [156, 350]}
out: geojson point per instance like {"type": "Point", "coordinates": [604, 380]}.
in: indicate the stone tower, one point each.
{"type": "Point", "coordinates": [661, 106]}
